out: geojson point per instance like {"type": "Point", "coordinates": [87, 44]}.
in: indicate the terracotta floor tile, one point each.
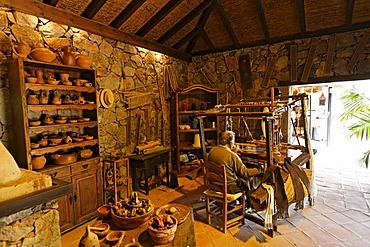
{"type": "Point", "coordinates": [341, 233]}
{"type": "Point", "coordinates": [339, 218]}
{"type": "Point", "coordinates": [321, 237]}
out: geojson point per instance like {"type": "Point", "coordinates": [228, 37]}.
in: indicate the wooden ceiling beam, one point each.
{"type": "Point", "coordinates": [189, 17]}
{"type": "Point", "coordinates": [93, 8]}
{"type": "Point", "coordinates": [262, 18]}
{"type": "Point", "coordinates": [226, 23]}
{"type": "Point", "coordinates": [51, 2]}
{"type": "Point", "coordinates": [126, 13]}
{"type": "Point", "coordinates": [349, 12]}
{"type": "Point", "coordinates": [58, 15]}
{"type": "Point", "coordinates": [162, 13]}
{"type": "Point", "coordinates": [186, 39]}
{"type": "Point", "coordinates": [200, 26]}
{"type": "Point", "coordinates": [207, 40]}
{"type": "Point", "coordinates": [302, 16]}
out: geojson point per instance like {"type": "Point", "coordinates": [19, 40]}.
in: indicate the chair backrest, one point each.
{"type": "Point", "coordinates": [215, 177]}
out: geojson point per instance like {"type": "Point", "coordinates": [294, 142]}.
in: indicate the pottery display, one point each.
{"type": "Point", "coordinates": [21, 49]}
{"type": "Point", "coordinates": [32, 99]}
{"type": "Point", "coordinates": [162, 228]}
{"type": "Point", "coordinates": [64, 159]}
{"type": "Point", "coordinates": [83, 61]}
{"type": "Point", "coordinates": [67, 57]}
{"type": "Point", "coordinates": [42, 54]}
{"type": "Point", "coordinates": [38, 162]}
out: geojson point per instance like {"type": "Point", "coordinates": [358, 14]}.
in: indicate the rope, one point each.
{"type": "Point", "coordinates": [270, 207]}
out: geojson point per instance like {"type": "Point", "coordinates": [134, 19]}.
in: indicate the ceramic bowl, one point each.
{"type": "Point", "coordinates": [64, 159]}
{"type": "Point", "coordinates": [31, 79]}
{"type": "Point", "coordinates": [114, 236]}
{"type": "Point", "coordinates": [35, 122]}
{"type": "Point", "coordinates": [35, 145]}
{"type": "Point", "coordinates": [104, 211]}
{"type": "Point", "coordinates": [162, 236]}
{"type": "Point", "coordinates": [128, 223]}
{"type": "Point", "coordinates": [72, 120]}
{"type": "Point", "coordinates": [101, 233]}
{"type": "Point", "coordinates": [52, 82]}
{"type": "Point", "coordinates": [60, 121]}
{"type": "Point", "coordinates": [85, 119]}
{"type": "Point", "coordinates": [55, 141]}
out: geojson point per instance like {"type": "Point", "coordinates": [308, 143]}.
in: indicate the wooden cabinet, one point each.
{"type": "Point", "coordinates": [194, 101]}
{"type": "Point", "coordinates": [78, 134]}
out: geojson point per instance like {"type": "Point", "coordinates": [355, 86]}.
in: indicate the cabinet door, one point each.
{"type": "Point", "coordinates": [65, 208]}
{"type": "Point", "coordinates": [86, 195]}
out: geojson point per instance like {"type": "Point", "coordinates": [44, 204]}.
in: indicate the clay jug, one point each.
{"type": "Point", "coordinates": [32, 100]}
{"type": "Point", "coordinates": [56, 99]}
{"type": "Point", "coordinates": [38, 162]}
{"type": "Point", "coordinates": [83, 61]}
{"type": "Point", "coordinates": [89, 239]}
{"type": "Point", "coordinates": [21, 49]}
{"type": "Point", "coordinates": [67, 57]}
{"type": "Point", "coordinates": [44, 100]}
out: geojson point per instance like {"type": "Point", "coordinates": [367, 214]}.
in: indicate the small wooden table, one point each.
{"type": "Point", "coordinates": [147, 162]}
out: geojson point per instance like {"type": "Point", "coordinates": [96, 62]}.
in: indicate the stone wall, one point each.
{"type": "Point", "coordinates": [36, 226]}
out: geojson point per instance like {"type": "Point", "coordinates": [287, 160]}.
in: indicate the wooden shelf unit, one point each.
{"type": "Point", "coordinates": [196, 100]}
{"type": "Point", "coordinates": [84, 174]}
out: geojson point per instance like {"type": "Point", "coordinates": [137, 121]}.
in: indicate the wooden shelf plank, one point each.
{"type": "Point", "coordinates": [197, 130]}
{"type": "Point", "coordinates": [38, 108]}
{"type": "Point", "coordinates": [48, 87]}
{"type": "Point", "coordinates": [52, 149]}
{"type": "Point", "coordinates": [42, 128]}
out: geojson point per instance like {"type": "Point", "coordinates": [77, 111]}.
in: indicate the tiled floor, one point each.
{"type": "Point", "coordinates": [340, 216]}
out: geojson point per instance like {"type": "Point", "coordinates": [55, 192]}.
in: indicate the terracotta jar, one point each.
{"type": "Point", "coordinates": [56, 99]}
{"type": "Point", "coordinates": [83, 61]}
{"type": "Point", "coordinates": [38, 162]}
{"type": "Point", "coordinates": [21, 49]}
{"type": "Point", "coordinates": [67, 57]}
{"type": "Point", "coordinates": [44, 100]}
{"type": "Point", "coordinates": [32, 99]}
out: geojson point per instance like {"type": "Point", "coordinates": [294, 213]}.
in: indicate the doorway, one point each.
{"type": "Point", "coordinates": [330, 136]}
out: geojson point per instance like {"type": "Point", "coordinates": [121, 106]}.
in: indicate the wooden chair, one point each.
{"type": "Point", "coordinates": [218, 194]}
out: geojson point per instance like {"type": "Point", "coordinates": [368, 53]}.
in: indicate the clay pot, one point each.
{"type": "Point", "coordinates": [21, 49]}
{"type": "Point", "coordinates": [68, 139]}
{"type": "Point", "coordinates": [162, 236]}
{"type": "Point", "coordinates": [32, 99]}
{"type": "Point", "coordinates": [64, 159]}
{"type": "Point", "coordinates": [79, 82]}
{"type": "Point", "coordinates": [43, 142]}
{"type": "Point", "coordinates": [56, 99]}
{"type": "Point", "coordinates": [44, 100]}
{"type": "Point", "coordinates": [84, 154]}
{"type": "Point", "coordinates": [104, 211]}
{"type": "Point", "coordinates": [67, 57]}
{"type": "Point", "coordinates": [42, 55]}
{"type": "Point", "coordinates": [38, 162]}
{"type": "Point", "coordinates": [84, 61]}
{"type": "Point", "coordinates": [64, 77]}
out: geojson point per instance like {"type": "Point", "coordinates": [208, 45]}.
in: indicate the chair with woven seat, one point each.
{"type": "Point", "coordinates": [217, 194]}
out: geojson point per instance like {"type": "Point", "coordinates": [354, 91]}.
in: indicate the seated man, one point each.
{"type": "Point", "coordinates": [237, 173]}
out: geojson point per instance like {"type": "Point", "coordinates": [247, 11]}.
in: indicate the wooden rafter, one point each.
{"type": "Point", "coordinates": [360, 48]}
{"type": "Point", "coordinates": [58, 15]}
{"type": "Point", "coordinates": [51, 2]}
{"type": "Point", "coordinates": [226, 23]}
{"type": "Point", "coordinates": [293, 63]}
{"type": "Point", "coordinates": [349, 12]}
{"type": "Point", "coordinates": [302, 16]}
{"type": "Point", "coordinates": [330, 55]}
{"type": "Point", "coordinates": [162, 13]}
{"type": "Point", "coordinates": [200, 26]}
{"type": "Point", "coordinates": [309, 62]}
{"type": "Point", "coordinates": [186, 39]}
{"type": "Point", "coordinates": [126, 13]}
{"type": "Point", "coordinates": [207, 40]}
{"type": "Point", "coordinates": [189, 17]}
{"type": "Point", "coordinates": [93, 8]}
{"type": "Point", "coordinates": [262, 18]}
